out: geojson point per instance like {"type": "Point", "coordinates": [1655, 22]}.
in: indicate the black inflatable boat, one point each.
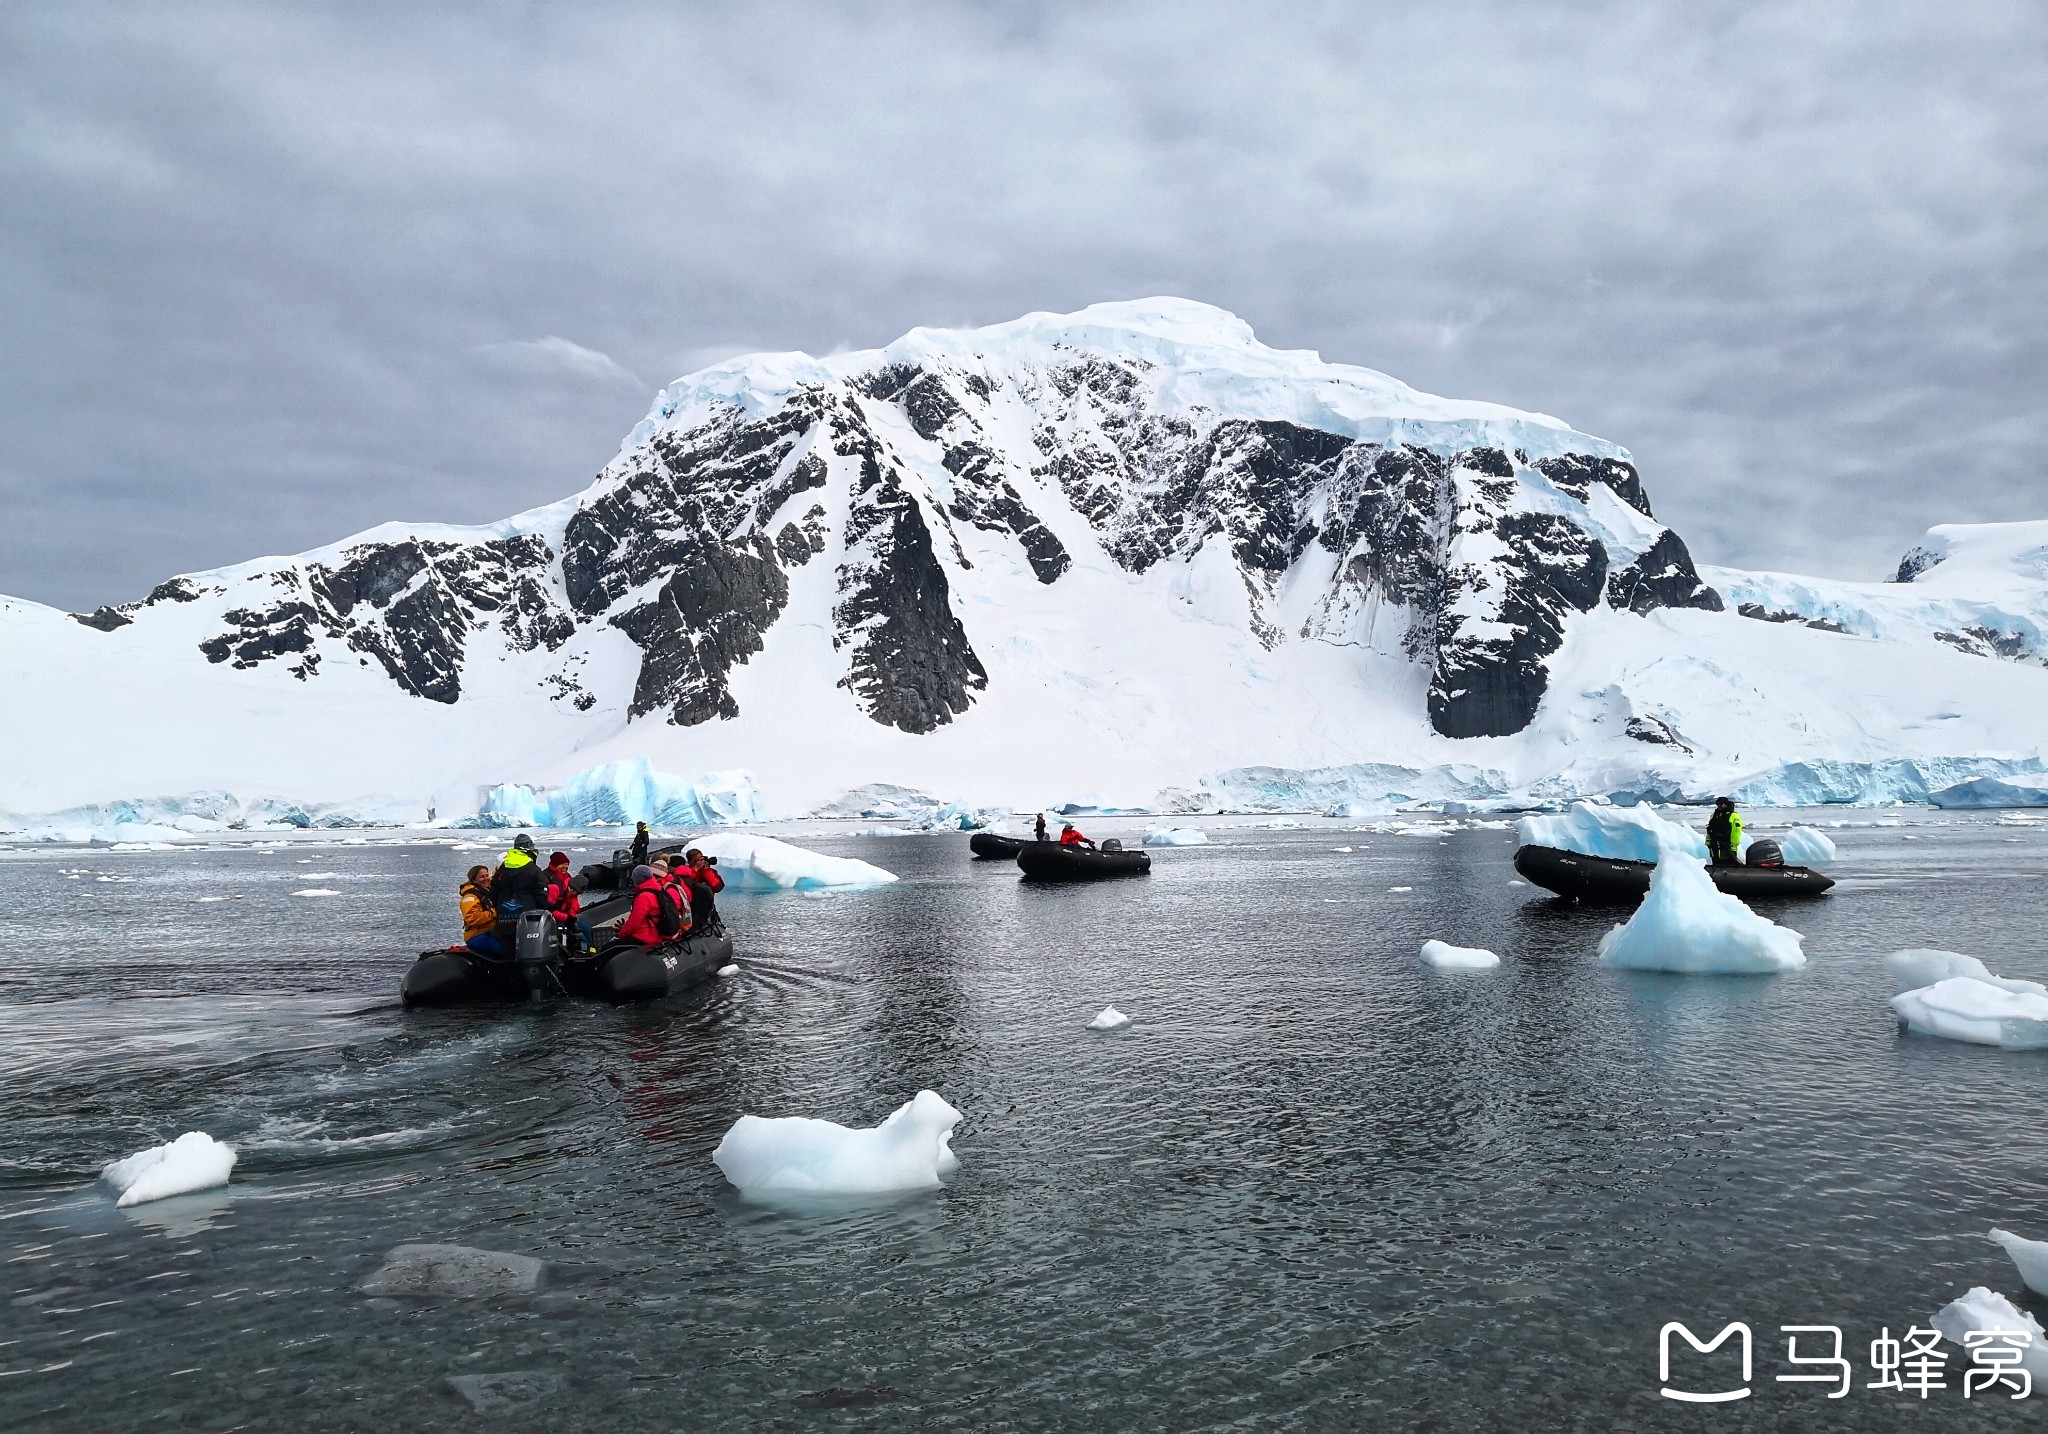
{"type": "Point", "coordinates": [989, 846]}
{"type": "Point", "coordinates": [1605, 881]}
{"type": "Point", "coordinates": [1049, 861]}
{"type": "Point", "coordinates": [543, 964]}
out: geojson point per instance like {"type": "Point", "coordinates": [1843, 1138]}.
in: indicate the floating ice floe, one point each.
{"type": "Point", "coordinates": [1686, 925]}
{"type": "Point", "coordinates": [194, 1161]}
{"type": "Point", "coordinates": [1618, 833]}
{"type": "Point", "coordinates": [1803, 846]}
{"type": "Point", "coordinates": [732, 970]}
{"type": "Point", "coordinates": [1982, 1310]}
{"type": "Point", "coordinates": [1109, 1019]}
{"type": "Point", "coordinates": [1446, 957]}
{"type": "Point", "coordinates": [758, 863]}
{"type": "Point", "coordinates": [795, 1155]}
{"type": "Point", "coordinates": [2031, 1256]}
{"type": "Point", "coordinates": [1176, 836]}
{"type": "Point", "coordinates": [1924, 966]}
{"type": "Point", "coordinates": [317, 891]}
{"type": "Point", "coordinates": [1985, 792]}
{"type": "Point", "coordinates": [1963, 1008]}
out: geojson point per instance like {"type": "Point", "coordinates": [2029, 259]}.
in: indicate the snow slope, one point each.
{"type": "Point", "coordinates": [1130, 556]}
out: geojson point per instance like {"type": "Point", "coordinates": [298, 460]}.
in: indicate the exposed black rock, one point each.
{"type": "Point", "coordinates": [106, 619]}
{"type": "Point", "coordinates": [1655, 730]}
{"type": "Point", "coordinates": [712, 614]}
{"type": "Point", "coordinates": [1576, 472]}
{"type": "Point", "coordinates": [1760, 613]}
{"type": "Point", "coordinates": [1917, 561]}
{"type": "Point", "coordinates": [1990, 642]}
{"type": "Point", "coordinates": [911, 666]}
{"type": "Point", "coordinates": [259, 636]}
{"type": "Point", "coordinates": [1662, 576]}
{"type": "Point", "coordinates": [1489, 685]}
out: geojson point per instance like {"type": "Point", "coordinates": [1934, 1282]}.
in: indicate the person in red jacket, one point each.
{"type": "Point", "coordinates": [562, 898]}
{"type": "Point", "coordinates": [1070, 837]}
{"type": "Point", "coordinates": [701, 872]}
{"type": "Point", "coordinates": [643, 924]}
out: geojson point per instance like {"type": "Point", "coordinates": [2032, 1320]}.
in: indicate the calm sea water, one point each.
{"type": "Point", "coordinates": [1316, 1186]}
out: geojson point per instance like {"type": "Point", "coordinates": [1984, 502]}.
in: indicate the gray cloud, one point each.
{"type": "Point", "coordinates": [257, 260]}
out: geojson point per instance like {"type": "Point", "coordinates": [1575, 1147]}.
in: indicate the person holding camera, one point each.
{"type": "Point", "coordinates": [700, 873]}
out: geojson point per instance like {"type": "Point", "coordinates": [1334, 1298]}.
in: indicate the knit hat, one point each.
{"type": "Point", "coordinates": [642, 873]}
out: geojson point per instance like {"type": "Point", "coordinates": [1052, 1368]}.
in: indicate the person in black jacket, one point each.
{"type": "Point", "coordinates": [520, 883]}
{"type": "Point", "coordinates": [640, 844]}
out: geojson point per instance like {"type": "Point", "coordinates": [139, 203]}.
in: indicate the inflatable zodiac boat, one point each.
{"type": "Point", "coordinates": [1049, 861]}
{"type": "Point", "coordinates": [1606, 881]}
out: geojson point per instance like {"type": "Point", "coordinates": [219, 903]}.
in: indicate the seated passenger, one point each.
{"type": "Point", "coordinates": [642, 925]}
{"type": "Point", "coordinates": [518, 884]}
{"type": "Point", "coordinates": [563, 901]}
{"type": "Point", "coordinates": [1070, 837]}
{"type": "Point", "coordinates": [479, 916]}
{"type": "Point", "coordinates": [701, 872]}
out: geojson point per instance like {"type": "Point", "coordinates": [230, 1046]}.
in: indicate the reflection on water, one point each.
{"type": "Point", "coordinates": [1316, 1185]}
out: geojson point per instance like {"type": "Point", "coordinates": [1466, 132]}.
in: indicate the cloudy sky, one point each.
{"type": "Point", "coordinates": [270, 274]}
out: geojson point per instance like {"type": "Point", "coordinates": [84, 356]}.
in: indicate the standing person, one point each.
{"type": "Point", "coordinates": [1038, 828]}
{"type": "Point", "coordinates": [479, 914]}
{"type": "Point", "coordinates": [518, 884]}
{"type": "Point", "coordinates": [1724, 832]}
{"type": "Point", "coordinates": [640, 843]}
{"type": "Point", "coordinates": [705, 884]}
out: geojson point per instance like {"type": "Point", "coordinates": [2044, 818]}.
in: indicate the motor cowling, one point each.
{"type": "Point", "coordinates": [536, 939]}
{"type": "Point", "coordinates": [1764, 852]}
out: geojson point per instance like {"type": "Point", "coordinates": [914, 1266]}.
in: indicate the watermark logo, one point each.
{"type": "Point", "coordinates": [1664, 1362]}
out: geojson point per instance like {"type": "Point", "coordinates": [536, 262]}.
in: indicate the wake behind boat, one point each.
{"type": "Point", "coordinates": [1609, 881]}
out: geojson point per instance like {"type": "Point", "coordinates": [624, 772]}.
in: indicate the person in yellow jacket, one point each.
{"type": "Point", "coordinates": [480, 914]}
{"type": "Point", "coordinates": [1724, 832]}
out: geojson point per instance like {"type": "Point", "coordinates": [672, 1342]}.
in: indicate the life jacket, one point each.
{"type": "Point", "coordinates": [561, 895]}
{"type": "Point", "coordinates": [478, 914]}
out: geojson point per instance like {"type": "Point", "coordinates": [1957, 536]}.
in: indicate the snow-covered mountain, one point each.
{"type": "Point", "coordinates": [1120, 551]}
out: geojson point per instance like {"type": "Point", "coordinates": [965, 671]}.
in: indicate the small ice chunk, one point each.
{"type": "Point", "coordinates": [194, 1161]}
{"type": "Point", "coordinates": [1400, 888]}
{"type": "Point", "coordinates": [732, 970]}
{"type": "Point", "coordinates": [1803, 846]}
{"type": "Point", "coordinates": [1923, 966]}
{"type": "Point", "coordinates": [1982, 1309]}
{"type": "Point", "coordinates": [795, 1155]}
{"type": "Point", "coordinates": [1109, 1019]}
{"type": "Point", "coordinates": [1446, 957]}
{"type": "Point", "coordinates": [458, 1272]}
{"type": "Point", "coordinates": [1176, 836]}
{"type": "Point", "coordinates": [2030, 1255]}
{"type": "Point", "coordinates": [317, 891]}
{"type": "Point", "coordinates": [1686, 925]}
{"type": "Point", "coordinates": [1340, 848]}
{"type": "Point", "coordinates": [1963, 1008]}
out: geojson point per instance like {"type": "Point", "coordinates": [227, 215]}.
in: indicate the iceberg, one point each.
{"type": "Point", "coordinates": [885, 801]}
{"type": "Point", "coordinates": [194, 1161]}
{"type": "Point", "coordinates": [1620, 833]}
{"type": "Point", "coordinates": [1923, 966]}
{"type": "Point", "coordinates": [1446, 957]}
{"type": "Point", "coordinates": [621, 793]}
{"type": "Point", "coordinates": [1176, 836]}
{"type": "Point", "coordinates": [1828, 783]}
{"type": "Point", "coordinates": [758, 863]}
{"type": "Point", "coordinates": [1688, 926]}
{"type": "Point", "coordinates": [2031, 1256]}
{"type": "Point", "coordinates": [796, 1155]}
{"type": "Point", "coordinates": [1803, 846]}
{"type": "Point", "coordinates": [1980, 793]}
{"type": "Point", "coordinates": [1983, 1310]}
{"type": "Point", "coordinates": [1963, 1008]}
{"type": "Point", "coordinates": [1109, 1018]}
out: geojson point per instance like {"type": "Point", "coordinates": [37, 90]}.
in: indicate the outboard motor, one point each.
{"type": "Point", "coordinates": [1112, 845]}
{"type": "Point", "coordinates": [537, 945]}
{"type": "Point", "coordinates": [1764, 852]}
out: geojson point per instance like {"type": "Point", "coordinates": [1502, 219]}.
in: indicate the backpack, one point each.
{"type": "Point", "coordinates": [671, 918]}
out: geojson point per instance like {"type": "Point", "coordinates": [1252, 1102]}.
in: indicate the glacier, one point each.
{"type": "Point", "coordinates": [1978, 793]}
{"type": "Point", "coordinates": [776, 1158]}
{"type": "Point", "coordinates": [621, 793]}
{"type": "Point", "coordinates": [1129, 551]}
